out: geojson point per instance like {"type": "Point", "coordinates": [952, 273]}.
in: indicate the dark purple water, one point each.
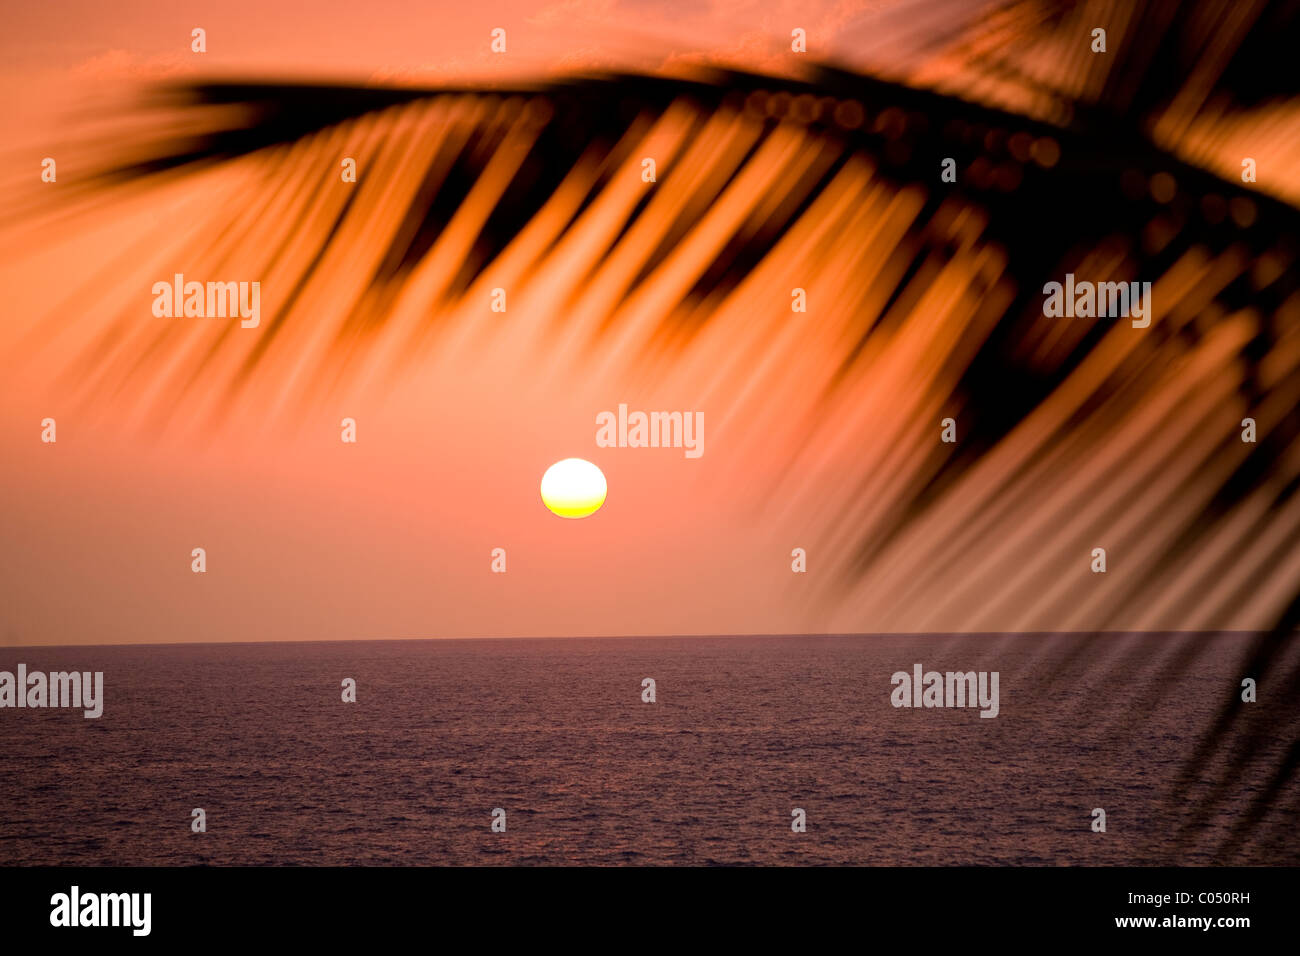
{"type": "Point", "coordinates": [555, 732]}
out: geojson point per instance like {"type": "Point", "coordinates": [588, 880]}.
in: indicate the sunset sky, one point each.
{"type": "Point", "coordinates": [308, 538]}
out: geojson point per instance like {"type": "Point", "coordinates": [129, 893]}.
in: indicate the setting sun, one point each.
{"type": "Point", "coordinates": [573, 488]}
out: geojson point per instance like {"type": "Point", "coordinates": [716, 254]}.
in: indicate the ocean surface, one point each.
{"type": "Point", "coordinates": [554, 731]}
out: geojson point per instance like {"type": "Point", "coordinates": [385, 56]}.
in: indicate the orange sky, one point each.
{"type": "Point", "coordinates": [310, 539]}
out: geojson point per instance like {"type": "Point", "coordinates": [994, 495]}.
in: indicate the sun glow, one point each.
{"type": "Point", "coordinates": [573, 488]}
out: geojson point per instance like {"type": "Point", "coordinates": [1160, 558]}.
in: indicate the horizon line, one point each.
{"type": "Point", "coordinates": [1119, 632]}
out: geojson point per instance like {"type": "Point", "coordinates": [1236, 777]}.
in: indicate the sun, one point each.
{"type": "Point", "coordinates": [573, 488]}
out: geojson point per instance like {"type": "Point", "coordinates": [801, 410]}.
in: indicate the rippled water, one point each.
{"type": "Point", "coordinates": [555, 732]}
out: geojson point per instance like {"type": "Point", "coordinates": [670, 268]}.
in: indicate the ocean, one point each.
{"type": "Point", "coordinates": [743, 731]}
